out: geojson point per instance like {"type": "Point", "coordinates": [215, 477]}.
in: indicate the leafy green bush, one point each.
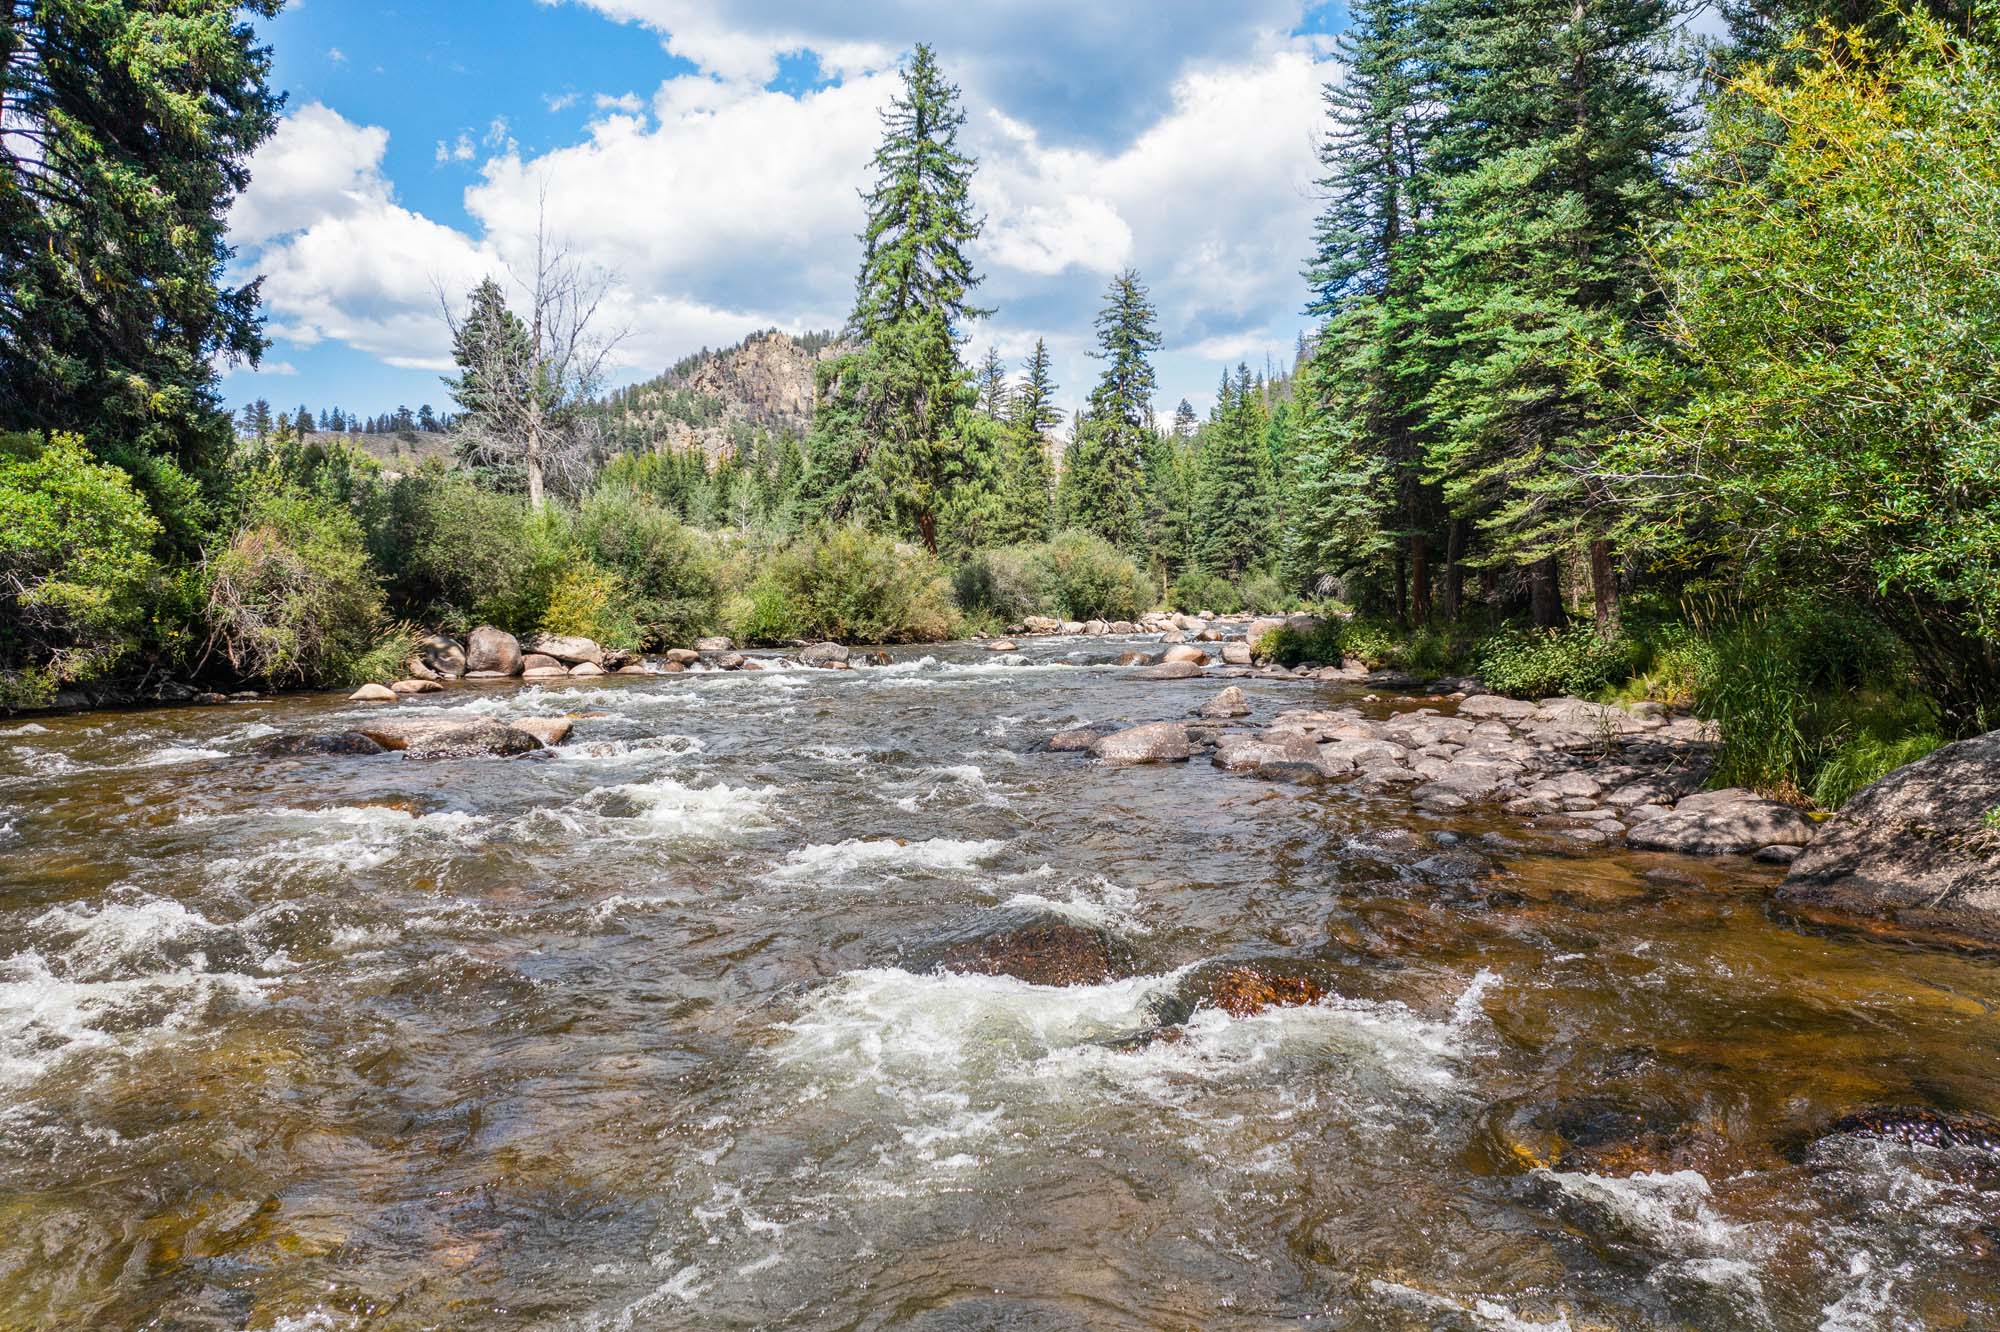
{"type": "Point", "coordinates": [1081, 576]}
{"type": "Point", "coordinates": [1194, 592]}
{"type": "Point", "coordinates": [592, 602]}
{"type": "Point", "coordinates": [1289, 646]}
{"type": "Point", "coordinates": [767, 615]}
{"type": "Point", "coordinates": [1543, 663]}
{"type": "Point", "coordinates": [855, 586]}
{"type": "Point", "coordinates": [670, 584]}
{"type": "Point", "coordinates": [1264, 594]}
{"type": "Point", "coordinates": [292, 598]}
{"type": "Point", "coordinates": [1000, 584]}
{"type": "Point", "coordinates": [388, 660]}
{"type": "Point", "coordinates": [75, 566]}
{"type": "Point", "coordinates": [456, 554]}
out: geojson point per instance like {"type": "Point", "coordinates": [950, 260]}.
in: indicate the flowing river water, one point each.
{"type": "Point", "coordinates": [640, 1034]}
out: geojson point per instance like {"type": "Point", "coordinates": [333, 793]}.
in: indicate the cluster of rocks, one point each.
{"type": "Point", "coordinates": [438, 736]}
{"type": "Point", "coordinates": [1586, 771]}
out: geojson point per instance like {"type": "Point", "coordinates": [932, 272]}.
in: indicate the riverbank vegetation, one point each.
{"type": "Point", "coordinates": [1642, 368]}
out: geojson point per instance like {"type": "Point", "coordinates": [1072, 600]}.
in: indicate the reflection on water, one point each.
{"type": "Point", "coordinates": [641, 1034]}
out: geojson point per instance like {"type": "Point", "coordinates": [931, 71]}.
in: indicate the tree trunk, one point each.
{"type": "Point", "coordinates": [1420, 580]}
{"type": "Point", "coordinates": [927, 528]}
{"type": "Point", "coordinates": [1402, 590]}
{"type": "Point", "coordinates": [1454, 571]}
{"type": "Point", "coordinates": [1544, 586]}
{"type": "Point", "coordinates": [1604, 589]}
{"type": "Point", "coordinates": [531, 455]}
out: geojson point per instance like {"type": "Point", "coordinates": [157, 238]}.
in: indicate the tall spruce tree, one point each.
{"type": "Point", "coordinates": [126, 130]}
{"type": "Point", "coordinates": [1362, 497]}
{"type": "Point", "coordinates": [1560, 128]}
{"type": "Point", "coordinates": [992, 381]}
{"type": "Point", "coordinates": [1103, 475]}
{"type": "Point", "coordinates": [1233, 495]}
{"type": "Point", "coordinates": [885, 441]}
{"type": "Point", "coordinates": [1032, 417]}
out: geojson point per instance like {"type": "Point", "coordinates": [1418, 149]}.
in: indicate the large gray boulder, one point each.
{"type": "Point", "coordinates": [1276, 751]}
{"type": "Point", "coordinates": [448, 736]}
{"type": "Point", "coordinates": [493, 651]}
{"type": "Point", "coordinates": [1919, 849]}
{"type": "Point", "coordinates": [1155, 742]}
{"type": "Point", "coordinates": [1227, 704]}
{"type": "Point", "coordinates": [1168, 670]}
{"type": "Point", "coordinates": [825, 655]}
{"type": "Point", "coordinates": [569, 649]}
{"type": "Point", "coordinates": [1723, 823]}
{"type": "Point", "coordinates": [441, 656]}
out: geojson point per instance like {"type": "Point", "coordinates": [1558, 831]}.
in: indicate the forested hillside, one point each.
{"type": "Point", "coordinates": [1640, 364]}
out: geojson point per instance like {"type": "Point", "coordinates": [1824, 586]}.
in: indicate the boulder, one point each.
{"type": "Point", "coordinates": [1134, 659]}
{"type": "Point", "coordinates": [731, 661]}
{"type": "Point", "coordinates": [1723, 823]}
{"type": "Point", "coordinates": [483, 677]}
{"type": "Point", "coordinates": [682, 657]}
{"type": "Point", "coordinates": [442, 656]}
{"type": "Point", "coordinates": [1257, 628]}
{"type": "Point", "coordinates": [1169, 670]}
{"type": "Point", "coordinates": [448, 737]}
{"type": "Point", "coordinates": [1070, 628]}
{"type": "Point", "coordinates": [585, 670]}
{"type": "Point", "coordinates": [1155, 742]}
{"type": "Point", "coordinates": [635, 669]}
{"type": "Point", "coordinates": [1483, 707]}
{"type": "Point", "coordinates": [569, 649]}
{"type": "Point", "coordinates": [1182, 652]}
{"type": "Point", "coordinates": [1244, 989]}
{"type": "Point", "coordinates": [312, 746]}
{"type": "Point", "coordinates": [373, 693]}
{"type": "Point", "coordinates": [1047, 950]}
{"type": "Point", "coordinates": [1041, 624]}
{"type": "Point", "coordinates": [1096, 628]}
{"type": "Point", "coordinates": [1003, 645]}
{"type": "Point", "coordinates": [538, 661]}
{"type": "Point", "coordinates": [1229, 703]}
{"type": "Point", "coordinates": [546, 673]}
{"type": "Point", "coordinates": [417, 687]}
{"type": "Point", "coordinates": [1076, 740]}
{"type": "Point", "coordinates": [715, 644]}
{"type": "Point", "coordinates": [1920, 848]}
{"type": "Point", "coordinates": [823, 655]}
{"type": "Point", "coordinates": [550, 731]}
{"type": "Point", "coordinates": [617, 659]}
{"type": "Point", "coordinates": [1236, 654]}
{"type": "Point", "coordinates": [490, 651]}
{"type": "Point", "coordinates": [1279, 752]}
{"type": "Point", "coordinates": [875, 658]}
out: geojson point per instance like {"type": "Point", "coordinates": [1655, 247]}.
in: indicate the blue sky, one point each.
{"type": "Point", "coordinates": [709, 156]}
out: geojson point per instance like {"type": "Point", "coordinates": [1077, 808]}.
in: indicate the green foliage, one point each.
{"type": "Point", "coordinates": [387, 661]}
{"type": "Point", "coordinates": [1264, 594]}
{"type": "Point", "coordinates": [1081, 576]}
{"type": "Point", "coordinates": [593, 602]}
{"type": "Point", "coordinates": [1289, 646]}
{"type": "Point", "coordinates": [1827, 409]}
{"type": "Point", "coordinates": [292, 597]}
{"type": "Point", "coordinates": [1544, 663]}
{"type": "Point", "coordinates": [129, 129]}
{"type": "Point", "coordinates": [1195, 592]}
{"type": "Point", "coordinates": [76, 566]}
{"type": "Point", "coordinates": [849, 585]}
{"type": "Point", "coordinates": [1003, 585]}
{"type": "Point", "coordinates": [1864, 759]}
{"type": "Point", "coordinates": [1103, 475]}
{"type": "Point", "coordinates": [1232, 493]}
{"type": "Point", "coordinates": [670, 591]}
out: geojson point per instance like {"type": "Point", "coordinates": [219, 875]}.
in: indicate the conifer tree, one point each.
{"type": "Point", "coordinates": [992, 379]}
{"type": "Point", "coordinates": [1032, 416]}
{"type": "Point", "coordinates": [1233, 498]}
{"type": "Point", "coordinates": [884, 442]}
{"type": "Point", "coordinates": [1103, 476]}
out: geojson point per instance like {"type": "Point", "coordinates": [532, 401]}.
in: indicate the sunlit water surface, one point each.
{"type": "Point", "coordinates": [634, 1036]}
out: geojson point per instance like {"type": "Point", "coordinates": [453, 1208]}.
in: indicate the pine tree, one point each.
{"type": "Point", "coordinates": [992, 379]}
{"type": "Point", "coordinates": [1559, 131]}
{"type": "Point", "coordinates": [1103, 478]}
{"type": "Point", "coordinates": [1233, 496]}
{"type": "Point", "coordinates": [1032, 416]}
{"type": "Point", "coordinates": [884, 442]}
{"type": "Point", "coordinates": [1185, 420]}
{"type": "Point", "coordinates": [302, 420]}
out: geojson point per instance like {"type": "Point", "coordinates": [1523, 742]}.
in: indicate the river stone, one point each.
{"type": "Point", "coordinates": [635, 668]}
{"type": "Point", "coordinates": [478, 739]}
{"type": "Point", "coordinates": [1272, 750]}
{"type": "Point", "coordinates": [1919, 848]}
{"type": "Point", "coordinates": [550, 731]}
{"type": "Point", "coordinates": [372, 693]}
{"type": "Point", "coordinates": [1134, 659]}
{"type": "Point", "coordinates": [1229, 703]}
{"type": "Point", "coordinates": [586, 670]}
{"type": "Point", "coordinates": [823, 655]}
{"type": "Point", "coordinates": [442, 656]}
{"type": "Point", "coordinates": [1182, 652]}
{"type": "Point", "coordinates": [1169, 670]}
{"type": "Point", "coordinates": [1096, 628]}
{"type": "Point", "coordinates": [569, 649]}
{"type": "Point", "coordinates": [492, 651]}
{"type": "Point", "coordinates": [1155, 742]}
{"type": "Point", "coordinates": [1236, 654]}
{"type": "Point", "coordinates": [683, 656]}
{"type": "Point", "coordinates": [539, 661]}
{"type": "Point", "coordinates": [417, 687]}
{"type": "Point", "coordinates": [1723, 823]}
{"type": "Point", "coordinates": [546, 673]}
{"type": "Point", "coordinates": [1003, 645]}
{"type": "Point", "coordinates": [1486, 707]}
{"type": "Point", "coordinates": [1076, 740]}
{"type": "Point", "coordinates": [307, 746]}
{"type": "Point", "coordinates": [1044, 951]}
{"type": "Point", "coordinates": [487, 676]}
{"type": "Point", "coordinates": [717, 643]}
{"type": "Point", "coordinates": [1243, 989]}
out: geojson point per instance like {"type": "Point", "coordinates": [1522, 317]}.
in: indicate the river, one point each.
{"type": "Point", "coordinates": [641, 1034]}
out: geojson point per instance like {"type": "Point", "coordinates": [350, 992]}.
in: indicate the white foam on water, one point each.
{"type": "Point", "coordinates": [1669, 1210]}
{"type": "Point", "coordinates": [936, 855]}
{"type": "Point", "coordinates": [1095, 902]}
{"type": "Point", "coordinates": [629, 751]}
{"type": "Point", "coordinates": [26, 728]}
{"type": "Point", "coordinates": [698, 811]}
{"type": "Point", "coordinates": [119, 933]}
{"type": "Point", "coordinates": [356, 837]}
{"type": "Point", "coordinates": [1467, 1009]}
{"type": "Point", "coordinates": [172, 754]}
{"type": "Point", "coordinates": [1485, 1313]}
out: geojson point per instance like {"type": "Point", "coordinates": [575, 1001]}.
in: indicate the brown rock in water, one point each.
{"type": "Point", "coordinates": [1919, 849]}
{"type": "Point", "coordinates": [1182, 652]}
{"type": "Point", "coordinates": [1921, 1126]}
{"type": "Point", "coordinates": [492, 650]}
{"type": "Point", "coordinates": [569, 649]}
{"type": "Point", "coordinates": [312, 746]}
{"type": "Point", "coordinates": [536, 661]}
{"type": "Point", "coordinates": [1134, 659]}
{"type": "Point", "coordinates": [1244, 989]}
{"type": "Point", "coordinates": [1723, 823]}
{"type": "Point", "coordinates": [1229, 703]}
{"type": "Point", "coordinates": [1076, 740]}
{"type": "Point", "coordinates": [1003, 645]}
{"type": "Point", "coordinates": [550, 731]}
{"type": "Point", "coordinates": [417, 687]}
{"type": "Point", "coordinates": [586, 670]}
{"type": "Point", "coordinates": [1609, 1133]}
{"type": "Point", "coordinates": [1168, 670]}
{"type": "Point", "coordinates": [1043, 952]}
{"type": "Point", "coordinates": [448, 737]}
{"type": "Point", "coordinates": [1155, 742]}
{"type": "Point", "coordinates": [372, 693]}
{"type": "Point", "coordinates": [878, 658]}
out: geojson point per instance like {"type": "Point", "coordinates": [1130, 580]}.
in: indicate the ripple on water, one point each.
{"type": "Point", "coordinates": [937, 855]}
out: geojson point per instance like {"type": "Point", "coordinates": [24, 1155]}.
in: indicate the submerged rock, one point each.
{"type": "Point", "coordinates": [1920, 848]}
{"type": "Point", "coordinates": [1155, 742]}
{"type": "Point", "coordinates": [1278, 753]}
{"type": "Point", "coordinates": [1244, 989]}
{"type": "Point", "coordinates": [550, 731]}
{"type": "Point", "coordinates": [449, 737]}
{"type": "Point", "coordinates": [1077, 739]}
{"type": "Point", "coordinates": [1920, 1126]}
{"type": "Point", "coordinates": [1044, 951]}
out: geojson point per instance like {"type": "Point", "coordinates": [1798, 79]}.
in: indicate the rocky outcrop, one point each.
{"type": "Point", "coordinates": [714, 398]}
{"type": "Point", "coordinates": [1919, 849]}
{"type": "Point", "coordinates": [492, 651]}
{"type": "Point", "coordinates": [1155, 742]}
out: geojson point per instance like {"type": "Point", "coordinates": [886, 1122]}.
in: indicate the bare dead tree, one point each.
{"type": "Point", "coordinates": [527, 387]}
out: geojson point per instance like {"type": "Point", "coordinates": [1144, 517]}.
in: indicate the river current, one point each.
{"type": "Point", "coordinates": [640, 1034]}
